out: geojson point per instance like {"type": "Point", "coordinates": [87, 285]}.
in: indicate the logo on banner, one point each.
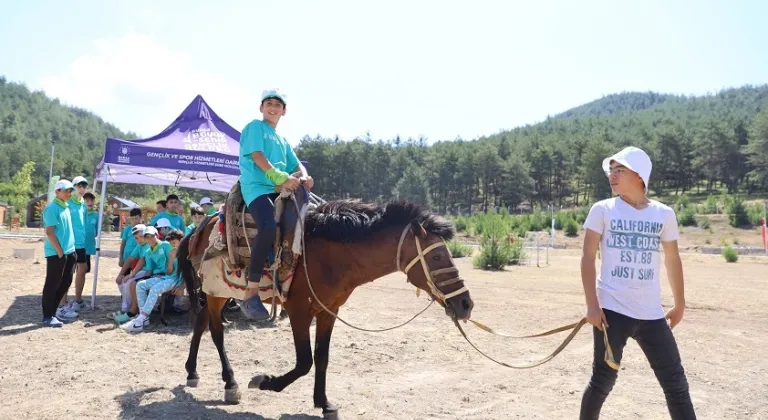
{"type": "Point", "coordinates": [124, 156]}
{"type": "Point", "coordinates": [206, 140]}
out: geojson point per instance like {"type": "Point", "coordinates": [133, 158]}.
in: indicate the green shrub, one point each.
{"type": "Point", "coordinates": [517, 253]}
{"type": "Point", "coordinates": [495, 249]}
{"type": "Point", "coordinates": [703, 222]}
{"type": "Point", "coordinates": [737, 214]}
{"type": "Point", "coordinates": [459, 249]}
{"type": "Point", "coordinates": [571, 228]}
{"type": "Point", "coordinates": [687, 217]}
{"type": "Point", "coordinates": [710, 206]}
{"type": "Point", "coordinates": [461, 224]}
{"type": "Point", "coordinates": [730, 254]}
{"type": "Point", "coordinates": [755, 214]}
{"type": "Point", "coordinates": [682, 202]}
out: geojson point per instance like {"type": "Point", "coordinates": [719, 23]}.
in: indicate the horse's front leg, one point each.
{"type": "Point", "coordinates": [323, 328]}
{"type": "Point", "coordinates": [300, 322]}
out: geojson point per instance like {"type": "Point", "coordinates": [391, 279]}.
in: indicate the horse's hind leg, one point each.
{"type": "Point", "coordinates": [231, 390]}
{"type": "Point", "coordinates": [201, 324]}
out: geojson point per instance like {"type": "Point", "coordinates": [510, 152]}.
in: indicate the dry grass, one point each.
{"type": "Point", "coordinates": [89, 369]}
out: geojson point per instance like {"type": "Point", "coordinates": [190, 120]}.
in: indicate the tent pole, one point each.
{"type": "Point", "coordinates": [100, 228]}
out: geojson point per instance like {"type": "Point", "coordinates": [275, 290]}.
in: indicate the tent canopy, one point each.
{"type": "Point", "coordinates": [198, 150]}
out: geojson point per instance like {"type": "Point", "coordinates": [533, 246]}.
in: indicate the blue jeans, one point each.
{"type": "Point", "coordinates": [657, 342]}
{"type": "Point", "coordinates": [262, 210]}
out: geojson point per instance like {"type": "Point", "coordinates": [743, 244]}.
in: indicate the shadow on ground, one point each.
{"type": "Point", "coordinates": [184, 405]}
{"type": "Point", "coordinates": [24, 315]}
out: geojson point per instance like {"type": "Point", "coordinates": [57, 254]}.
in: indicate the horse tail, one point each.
{"type": "Point", "coordinates": [190, 277]}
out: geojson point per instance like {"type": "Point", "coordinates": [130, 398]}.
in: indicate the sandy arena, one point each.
{"type": "Point", "coordinates": [425, 370]}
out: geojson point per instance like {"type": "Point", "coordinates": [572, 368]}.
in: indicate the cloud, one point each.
{"type": "Point", "coordinates": [142, 86]}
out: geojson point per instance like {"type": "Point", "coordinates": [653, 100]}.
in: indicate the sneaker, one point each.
{"type": "Point", "coordinates": [134, 326]}
{"type": "Point", "coordinates": [78, 306]}
{"type": "Point", "coordinates": [253, 309]}
{"type": "Point", "coordinates": [52, 322]}
{"type": "Point", "coordinates": [122, 318]}
{"type": "Point", "coordinates": [65, 314]}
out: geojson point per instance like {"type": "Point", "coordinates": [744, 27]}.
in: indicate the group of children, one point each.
{"type": "Point", "coordinates": [147, 260]}
{"type": "Point", "coordinates": [71, 224]}
{"type": "Point", "coordinates": [147, 256]}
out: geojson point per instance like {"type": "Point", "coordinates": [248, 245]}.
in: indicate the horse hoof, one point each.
{"type": "Point", "coordinates": [192, 383]}
{"type": "Point", "coordinates": [232, 396]}
{"type": "Point", "coordinates": [256, 381]}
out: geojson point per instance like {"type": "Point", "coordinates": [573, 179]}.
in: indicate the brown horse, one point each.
{"type": "Point", "coordinates": [346, 244]}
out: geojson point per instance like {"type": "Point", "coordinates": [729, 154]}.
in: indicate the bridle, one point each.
{"type": "Point", "coordinates": [430, 275]}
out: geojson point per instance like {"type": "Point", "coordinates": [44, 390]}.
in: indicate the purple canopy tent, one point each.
{"type": "Point", "coordinates": [198, 150]}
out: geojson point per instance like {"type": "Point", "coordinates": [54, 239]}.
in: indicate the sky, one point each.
{"type": "Point", "coordinates": [408, 68]}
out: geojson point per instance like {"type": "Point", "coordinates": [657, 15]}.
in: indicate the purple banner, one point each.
{"type": "Point", "coordinates": [133, 154]}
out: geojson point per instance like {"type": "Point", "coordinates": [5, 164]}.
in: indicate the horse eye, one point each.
{"type": "Point", "coordinates": [436, 257]}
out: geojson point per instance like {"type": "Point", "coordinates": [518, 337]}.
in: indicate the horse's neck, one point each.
{"type": "Point", "coordinates": [369, 260]}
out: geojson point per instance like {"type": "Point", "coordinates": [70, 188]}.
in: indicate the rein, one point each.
{"type": "Point", "coordinates": [434, 288]}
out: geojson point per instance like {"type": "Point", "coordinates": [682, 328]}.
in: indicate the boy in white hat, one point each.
{"type": "Point", "coordinates": [207, 204]}
{"type": "Point", "coordinates": [624, 300]}
{"type": "Point", "coordinates": [266, 162]}
{"type": "Point", "coordinates": [60, 257]}
{"type": "Point", "coordinates": [79, 211]}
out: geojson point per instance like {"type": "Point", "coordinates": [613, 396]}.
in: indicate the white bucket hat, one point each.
{"type": "Point", "coordinates": [634, 159]}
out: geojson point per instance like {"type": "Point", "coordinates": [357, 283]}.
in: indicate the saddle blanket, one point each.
{"type": "Point", "coordinates": [221, 280]}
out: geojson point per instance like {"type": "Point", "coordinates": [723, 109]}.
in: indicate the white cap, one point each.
{"type": "Point", "coordinates": [206, 200]}
{"type": "Point", "coordinates": [633, 159]}
{"type": "Point", "coordinates": [63, 185]}
{"type": "Point", "coordinates": [79, 179]}
{"type": "Point", "coordinates": [138, 228]}
{"type": "Point", "coordinates": [273, 93]}
{"type": "Point", "coordinates": [163, 222]}
{"type": "Point", "coordinates": [150, 230]}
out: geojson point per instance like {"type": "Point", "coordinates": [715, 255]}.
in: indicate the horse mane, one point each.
{"type": "Point", "coordinates": [350, 221]}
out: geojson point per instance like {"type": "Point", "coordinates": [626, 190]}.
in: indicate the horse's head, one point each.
{"type": "Point", "coordinates": [426, 260]}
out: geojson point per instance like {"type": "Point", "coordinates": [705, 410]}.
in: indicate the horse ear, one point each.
{"type": "Point", "coordinates": [418, 229]}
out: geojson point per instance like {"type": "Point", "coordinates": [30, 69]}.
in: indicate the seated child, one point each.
{"type": "Point", "coordinates": [126, 278]}
{"type": "Point", "coordinates": [162, 254]}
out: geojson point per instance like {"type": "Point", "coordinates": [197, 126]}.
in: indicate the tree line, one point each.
{"type": "Point", "coordinates": [699, 144]}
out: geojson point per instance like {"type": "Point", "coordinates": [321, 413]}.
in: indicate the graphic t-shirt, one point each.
{"type": "Point", "coordinates": [630, 253]}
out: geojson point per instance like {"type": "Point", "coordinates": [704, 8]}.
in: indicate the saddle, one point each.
{"type": "Point", "coordinates": [239, 230]}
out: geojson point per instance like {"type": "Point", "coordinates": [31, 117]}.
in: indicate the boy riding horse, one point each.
{"type": "Point", "coordinates": [266, 162]}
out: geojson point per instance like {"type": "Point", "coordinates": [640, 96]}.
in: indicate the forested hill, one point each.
{"type": "Point", "coordinates": [28, 123]}
{"type": "Point", "coordinates": [711, 143]}
{"type": "Point", "coordinates": [617, 103]}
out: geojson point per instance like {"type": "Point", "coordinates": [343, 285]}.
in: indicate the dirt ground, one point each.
{"type": "Point", "coordinates": [90, 369]}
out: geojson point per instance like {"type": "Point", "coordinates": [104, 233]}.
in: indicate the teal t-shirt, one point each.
{"type": "Point", "coordinates": [130, 242]}
{"type": "Point", "coordinates": [57, 214]}
{"type": "Point", "coordinates": [259, 136]}
{"type": "Point", "coordinates": [189, 229]}
{"type": "Point", "coordinates": [175, 274]}
{"type": "Point", "coordinates": [211, 211]}
{"type": "Point", "coordinates": [91, 229]}
{"type": "Point", "coordinates": [176, 220]}
{"type": "Point", "coordinates": [156, 258]}
{"type": "Point", "coordinates": [77, 212]}
{"type": "Point", "coordinates": [138, 251]}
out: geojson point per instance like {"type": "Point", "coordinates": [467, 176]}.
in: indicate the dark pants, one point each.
{"type": "Point", "coordinates": [657, 342]}
{"type": "Point", "coordinates": [58, 278]}
{"type": "Point", "coordinates": [263, 212]}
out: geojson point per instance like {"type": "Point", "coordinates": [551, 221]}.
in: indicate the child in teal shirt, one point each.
{"type": "Point", "coordinates": [171, 213]}
{"type": "Point", "coordinates": [59, 248]}
{"type": "Point", "coordinates": [198, 215]}
{"type": "Point", "coordinates": [149, 291]}
{"type": "Point", "coordinates": [266, 162]}
{"type": "Point", "coordinates": [128, 243]}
